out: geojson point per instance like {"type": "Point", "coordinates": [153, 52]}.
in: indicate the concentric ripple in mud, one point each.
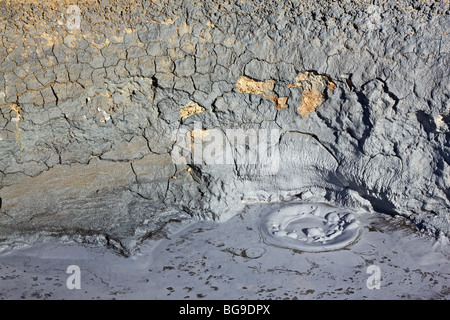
{"type": "Point", "coordinates": [310, 227]}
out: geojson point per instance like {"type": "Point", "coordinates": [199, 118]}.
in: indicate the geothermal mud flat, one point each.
{"type": "Point", "coordinates": [234, 260]}
{"type": "Point", "coordinates": [315, 132]}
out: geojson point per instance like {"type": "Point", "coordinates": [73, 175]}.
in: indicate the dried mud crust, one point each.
{"type": "Point", "coordinates": [356, 88]}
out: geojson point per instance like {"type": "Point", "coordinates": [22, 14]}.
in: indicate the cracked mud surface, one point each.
{"type": "Point", "coordinates": [87, 116]}
{"type": "Point", "coordinates": [207, 260]}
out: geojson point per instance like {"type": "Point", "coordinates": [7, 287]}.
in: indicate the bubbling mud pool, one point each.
{"type": "Point", "coordinates": [242, 258]}
{"type": "Point", "coordinates": [309, 227]}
